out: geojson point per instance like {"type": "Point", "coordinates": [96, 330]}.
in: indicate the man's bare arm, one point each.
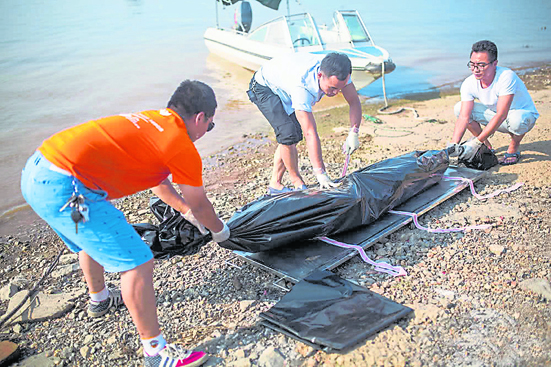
{"type": "Point", "coordinates": [168, 194]}
{"type": "Point", "coordinates": [503, 106]}
{"type": "Point", "coordinates": [193, 198]}
{"type": "Point", "coordinates": [462, 121]}
{"type": "Point", "coordinates": [350, 93]}
{"type": "Point", "coordinates": [309, 129]}
{"type": "Point", "coordinates": [201, 207]}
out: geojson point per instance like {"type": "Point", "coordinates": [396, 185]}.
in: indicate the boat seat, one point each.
{"type": "Point", "coordinates": [243, 17]}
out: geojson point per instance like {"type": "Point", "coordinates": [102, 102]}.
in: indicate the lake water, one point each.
{"type": "Point", "coordinates": [65, 62]}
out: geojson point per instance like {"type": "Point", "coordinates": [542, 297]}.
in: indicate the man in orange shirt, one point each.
{"type": "Point", "coordinates": [73, 174]}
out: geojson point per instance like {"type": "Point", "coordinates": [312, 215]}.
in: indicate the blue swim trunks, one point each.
{"type": "Point", "coordinates": [106, 237]}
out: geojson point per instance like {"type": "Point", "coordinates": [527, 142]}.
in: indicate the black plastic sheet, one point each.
{"type": "Point", "coordinates": [362, 197]}
{"type": "Point", "coordinates": [483, 160]}
{"type": "Point", "coordinates": [173, 236]}
{"type": "Point", "coordinates": [330, 313]}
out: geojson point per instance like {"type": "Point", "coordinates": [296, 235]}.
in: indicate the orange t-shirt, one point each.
{"type": "Point", "coordinates": [127, 153]}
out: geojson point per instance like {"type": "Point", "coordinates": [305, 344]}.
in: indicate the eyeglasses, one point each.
{"type": "Point", "coordinates": [478, 65]}
{"type": "Point", "coordinates": [211, 124]}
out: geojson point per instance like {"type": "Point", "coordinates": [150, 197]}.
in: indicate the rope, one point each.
{"type": "Point", "coordinates": [404, 132]}
{"type": "Point", "coordinates": [415, 217]}
{"type": "Point", "coordinates": [345, 168]}
{"type": "Point", "coordinates": [34, 290]}
{"type": "Point", "coordinates": [484, 197]}
{"type": "Point", "coordinates": [381, 267]}
{"type": "Point", "coordinates": [375, 121]}
{"type": "Point", "coordinates": [382, 109]}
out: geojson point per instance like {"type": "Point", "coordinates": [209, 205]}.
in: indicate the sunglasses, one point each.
{"type": "Point", "coordinates": [211, 124]}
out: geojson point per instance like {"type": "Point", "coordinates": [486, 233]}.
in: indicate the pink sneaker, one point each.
{"type": "Point", "coordinates": [175, 356]}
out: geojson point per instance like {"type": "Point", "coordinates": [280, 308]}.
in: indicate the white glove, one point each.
{"type": "Point", "coordinates": [470, 148]}
{"type": "Point", "coordinates": [325, 181]}
{"type": "Point", "coordinates": [456, 147]}
{"type": "Point", "coordinates": [191, 218]}
{"type": "Point", "coordinates": [221, 236]}
{"type": "Point", "coordinates": [352, 142]}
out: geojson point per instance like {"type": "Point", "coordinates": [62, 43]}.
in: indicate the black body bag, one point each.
{"type": "Point", "coordinates": [362, 197]}
{"type": "Point", "coordinates": [173, 236]}
{"type": "Point", "coordinates": [330, 313]}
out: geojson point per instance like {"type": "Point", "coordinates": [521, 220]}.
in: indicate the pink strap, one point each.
{"type": "Point", "coordinates": [438, 230]}
{"type": "Point", "coordinates": [345, 168]}
{"type": "Point", "coordinates": [482, 197]}
{"type": "Point", "coordinates": [460, 229]}
{"type": "Point", "coordinates": [380, 267]}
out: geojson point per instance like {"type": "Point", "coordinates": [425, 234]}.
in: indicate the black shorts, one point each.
{"type": "Point", "coordinates": [286, 127]}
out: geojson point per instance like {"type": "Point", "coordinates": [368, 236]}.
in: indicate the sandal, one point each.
{"type": "Point", "coordinates": [509, 159]}
{"type": "Point", "coordinates": [272, 191]}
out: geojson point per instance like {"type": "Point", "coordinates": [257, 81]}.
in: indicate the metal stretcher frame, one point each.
{"type": "Point", "coordinates": [298, 260]}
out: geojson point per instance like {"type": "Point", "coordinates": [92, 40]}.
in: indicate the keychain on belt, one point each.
{"type": "Point", "coordinates": [79, 210]}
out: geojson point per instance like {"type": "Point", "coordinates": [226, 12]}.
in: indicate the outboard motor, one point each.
{"type": "Point", "coordinates": [244, 17]}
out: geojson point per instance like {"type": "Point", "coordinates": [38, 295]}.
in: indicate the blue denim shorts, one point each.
{"type": "Point", "coordinates": [106, 237]}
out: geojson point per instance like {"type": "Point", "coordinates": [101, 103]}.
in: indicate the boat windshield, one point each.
{"type": "Point", "coordinates": [349, 27]}
{"type": "Point", "coordinates": [273, 32]}
{"type": "Point", "coordinates": [300, 28]}
{"type": "Point", "coordinates": [303, 30]}
{"type": "Point", "coordinates": [355, 27]}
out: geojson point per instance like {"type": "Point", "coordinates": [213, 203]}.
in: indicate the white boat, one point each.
{"type": "Point", "coordinates": [299, 33]}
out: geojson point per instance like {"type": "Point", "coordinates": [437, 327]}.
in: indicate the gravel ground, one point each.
{"type": "Point", "coordinates": [479, 297]}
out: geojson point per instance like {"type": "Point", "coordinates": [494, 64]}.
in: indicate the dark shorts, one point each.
{"type": "Point", "coordinates": [286, 127]}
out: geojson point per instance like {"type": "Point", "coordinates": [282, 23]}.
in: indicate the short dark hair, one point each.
{"type": "Point", "coordinates": [336, 64]}
{"type": "Point", "coordinates": [486, 46]}
{"type": "Point", "coordinates": [192, 97]}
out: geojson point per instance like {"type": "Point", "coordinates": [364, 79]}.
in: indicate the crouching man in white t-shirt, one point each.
{"type": "Point", "coordinates": [504, 105]}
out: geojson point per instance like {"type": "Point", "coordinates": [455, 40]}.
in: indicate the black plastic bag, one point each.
{"type": "Point", "coordinates": [483, 160]}
{"type": "Point", "coordinates": [150, 235]}
{"type": "Point", "coordinates": [174, 235]}
{"type": "Point", "coordinates": [362, 197]}
{"type": "Point", "coordinates": [330, 313]}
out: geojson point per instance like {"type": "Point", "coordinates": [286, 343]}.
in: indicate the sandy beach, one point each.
{"type": "Point", "coordinates": [480, 298]}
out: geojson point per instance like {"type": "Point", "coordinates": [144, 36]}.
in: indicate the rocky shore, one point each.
{"type": "Point", "coordinates": [480, 298]}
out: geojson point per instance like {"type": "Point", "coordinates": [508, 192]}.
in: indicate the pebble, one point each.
{"type": "Point", "coordinates": [497, 249]}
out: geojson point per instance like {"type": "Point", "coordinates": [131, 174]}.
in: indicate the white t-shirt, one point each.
{"type": "Point", "coordinates": [505, 82]}
{"type": "Point", "coordinates": [294, 79]}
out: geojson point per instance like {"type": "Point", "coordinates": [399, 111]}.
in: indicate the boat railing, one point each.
{"type": "Point", "coordinates": [233, 30]}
